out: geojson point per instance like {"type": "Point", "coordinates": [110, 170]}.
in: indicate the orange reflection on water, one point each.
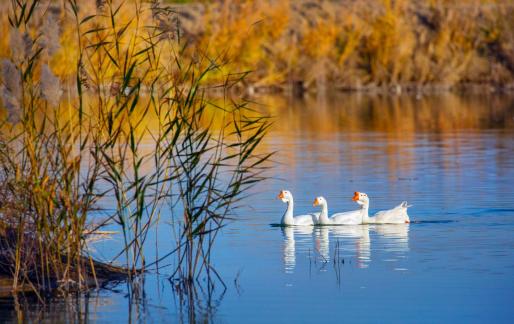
{"type": "Point", "coordinates": [315, 127]}
{"type": "Point", "coordinates": [398, 116]}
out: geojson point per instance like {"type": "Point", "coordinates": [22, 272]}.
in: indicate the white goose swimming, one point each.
{"type": "Point", "coordinates": [396, 215]}
{"type": "Point", "coordinates": [289, 219]}
{"type": "Point", "coordinates": [354, 217]}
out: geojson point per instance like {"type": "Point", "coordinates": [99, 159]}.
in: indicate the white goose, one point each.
{"type": "Point", "coordinates": [396, 215]}
{"type": "Point", "coordinates": [347, 218]}
{"type": "Point", "coordinates": [289, 219]}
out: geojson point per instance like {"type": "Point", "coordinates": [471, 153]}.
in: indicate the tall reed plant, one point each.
{"type": "Point", "coordinates": [136, 130]}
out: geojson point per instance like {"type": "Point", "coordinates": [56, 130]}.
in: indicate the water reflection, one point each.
{"type": "Point", "coordinates": [347, 242]}
{"type": "Point", "coordinates": [395, 237]}
{"type": "Point", "coordinates": [136, 302]}
{"type": "Point", "coordinates": [303, 235]}
{"type": "Point", "coordinates": [197, 302]}
{"type": "Point", "coordinates": [398, 116]}
{"type": "Point", "coordinates": [322, 243]}
{"type": "Point", "coordinates": [361, 242]}
{"type": "Point", "coordinates": [73, 309]}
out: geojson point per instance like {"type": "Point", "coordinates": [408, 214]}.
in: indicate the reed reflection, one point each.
{"type": "Point", "coordinates": [71, 309]}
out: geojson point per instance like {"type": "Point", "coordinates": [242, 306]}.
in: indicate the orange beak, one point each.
{"type": "Point", "coordinates": [355, 196]}
{"type": "Point", "coordinates": [316, 202]}
{"type": "Point", "coordinates": [281, 195]}
{"type": "Point", "coordinates": [407, 222]}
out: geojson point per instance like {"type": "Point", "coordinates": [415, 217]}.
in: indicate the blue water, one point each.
{"type": "Point", "coordinates": [453, 263]}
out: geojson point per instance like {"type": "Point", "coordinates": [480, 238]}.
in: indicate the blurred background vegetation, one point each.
{"type": "Point", "coordinates": [315, 45]}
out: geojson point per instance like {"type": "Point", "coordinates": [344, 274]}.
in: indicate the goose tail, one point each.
{"type": "Point", "coordinates": [404, 204]}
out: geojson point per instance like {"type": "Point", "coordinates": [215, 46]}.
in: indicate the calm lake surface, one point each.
{"type": "Point", "coordinates": [450, 156]}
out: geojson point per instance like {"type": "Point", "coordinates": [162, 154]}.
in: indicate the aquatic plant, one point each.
{"type": "Point", "coordinates": [135, 130]}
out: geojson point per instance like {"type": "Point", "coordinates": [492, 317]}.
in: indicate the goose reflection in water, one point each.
{"type": "Point", "coordinates": [394, 237]}
{"type": "Point", "coordinates": [321, 243]}
{"type": "Point", "coordinates": [349, 240]}
{"type": "Point", "coordinates": [304, 234]}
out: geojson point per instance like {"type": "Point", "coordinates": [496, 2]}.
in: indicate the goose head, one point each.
{"type": "Point", "coordinates": [361, 198]}
{"type": "Point", "coordinates": [319, 201]}
{"type": "Point", "coordinates": [285, 196]}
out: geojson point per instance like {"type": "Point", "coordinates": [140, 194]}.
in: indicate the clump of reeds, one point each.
{"type": "Point", "coordinates": [135, 129]}
{"type": "Point", "coordinates": [359, 44]}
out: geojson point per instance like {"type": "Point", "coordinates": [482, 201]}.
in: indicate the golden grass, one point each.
{"type": "Point", "coordinates": [362, 43]}
{"type": "Point", "coordinates": [339, 44]}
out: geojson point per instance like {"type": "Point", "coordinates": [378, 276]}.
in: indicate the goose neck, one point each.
{"type": "Point", "coordinates": [364, 211]}
{"type": "Point", "coordinates": [287, 219]}
{"type": "Point", "coordinates": [323, 217]}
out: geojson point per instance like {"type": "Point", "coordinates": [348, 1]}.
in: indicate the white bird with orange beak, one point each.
{"type": "Point", "coordinates": [354, 217]}
{"type": "Point", "coordinates": [396, 215]}
{"type": "Point", "coordinates": [300, 220]}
